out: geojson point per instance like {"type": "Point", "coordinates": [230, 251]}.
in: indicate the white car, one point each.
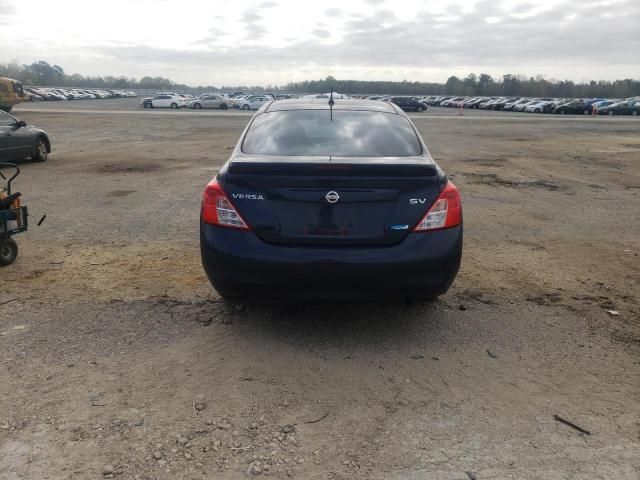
{"type": "Point", "coordinates": [210, 101]}
{"type": "Point", "coordinates": [537, 107]}
{"type": "Point", "coordinates": [254, 103]}
{"type": "Point", "coordinates": [522, 106]}
{"type": "Point", "coordinates": [164, 100]}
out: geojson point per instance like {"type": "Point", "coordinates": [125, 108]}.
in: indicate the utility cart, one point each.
{"type": "Point", "coordinates": [13, 216]}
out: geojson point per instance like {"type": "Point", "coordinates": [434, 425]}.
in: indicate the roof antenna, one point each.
{"type": "Point", "coordinates": [331, 104]}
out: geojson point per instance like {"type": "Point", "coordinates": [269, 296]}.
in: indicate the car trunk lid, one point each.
{"type": "Point", "coordinates": [332, 201]}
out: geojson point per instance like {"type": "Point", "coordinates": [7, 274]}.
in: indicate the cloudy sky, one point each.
{"type": "Point", "coordinates": [271, 42]}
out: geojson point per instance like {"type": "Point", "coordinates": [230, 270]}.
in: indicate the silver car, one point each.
{"type": "Point", "coordinates": [210, 101]}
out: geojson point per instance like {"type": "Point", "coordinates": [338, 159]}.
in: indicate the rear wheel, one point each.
{"type": "Point", "coordinates": [419, 109]}
{"type": "Point", "coordinates": [8, 251]}
{"type": "Point", "coordinates": [586, 112]}
{"type": "Point", "coordinates": [562, 112]}
{"type": "Point", "coordinates": [40, 150]}
{"type": "Point", "coordinates": [420, 299]}
{"type": "Point", "coordinates": [245, 107]}
{"type": "Point", "coordinates": [197, 106]}
{"type": "Point", "coordinates": [174, 105]}
{"type": "Point", "coordinates": [223, 106]}
{"type": "Point", "coordinates": [611, 113]}
{"type": "Point", "coordinates": [147, 105]}
{"type": "Point", "coordinates": [230, 298]}
{"type": "Point", "coordinates": [634, 113]}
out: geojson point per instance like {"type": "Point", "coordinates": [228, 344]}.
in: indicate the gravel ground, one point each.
{"type": "Point", "coordinates": [118, 360]}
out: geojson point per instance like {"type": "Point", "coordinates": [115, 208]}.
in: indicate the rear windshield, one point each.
{"type": "Point", "coordinates": [350, 134]}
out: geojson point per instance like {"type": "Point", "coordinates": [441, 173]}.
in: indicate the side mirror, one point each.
{"type": "Point", "coordinates": [21, 124]}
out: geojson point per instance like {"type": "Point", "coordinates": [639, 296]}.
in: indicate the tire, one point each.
{"type": "Point", "coordinates": [634, 113]}
{"type": "Point", "coordinates": [562, 112]}
{"type": "Point", "coordinates": [420, 299]}
{"type": "Point", "coordinates": [197, 106]}
{"type": "Point", "coordinates": [223, 106]}
{"type": "Point", "coordinates": [419, 109]}
{"type": "Point", "coordinates": [6, 109]}
{"type": "Point", "coordinates": [586, 112]}
{"type": "Point", "coordinates": [40, 153]}
{"type": "Point", "coordinates": [245, 107]}
{"type": "Point", "coordinates": [147, 105]}
{"type": "Point", "coordinates": [174, 105]}
{"type": "Point", "coordinates": [229, 296]}
{"type": "Point", "coordinates": [229, 299]}
{"type": "Point", "coordinates": [611, 113]}
{"type": "Point", "coordinates": [8, 251]}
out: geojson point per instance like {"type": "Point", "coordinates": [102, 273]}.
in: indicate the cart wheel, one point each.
{"type": "Point", "coordinates": [8, 251]}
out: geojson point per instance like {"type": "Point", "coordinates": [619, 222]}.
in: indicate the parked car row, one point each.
{"type": "Point", "coordinates": [406, 103]}
{"type": "Point", "coordinates": [255, 101]}
{"type": "Point", "coordinates": [38, 94]}
{"type": "Point", "coordinates": [251, 101]}
{"type": "Point", "coordinates": [561, 106]}
{"type": "Point", "coordinates": [240, 100]}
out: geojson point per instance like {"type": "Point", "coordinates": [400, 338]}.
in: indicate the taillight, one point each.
{"type": "Point", "coordinates": [445, 212]}
{"type": "Point", "coordinates": [218, 210]}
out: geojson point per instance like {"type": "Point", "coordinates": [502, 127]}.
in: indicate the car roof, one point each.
{"type": "Point", "coordinates": [323, 104]}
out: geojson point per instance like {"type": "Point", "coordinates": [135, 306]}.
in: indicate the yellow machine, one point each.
{"type": "Point", "coordinates": [11, 93]}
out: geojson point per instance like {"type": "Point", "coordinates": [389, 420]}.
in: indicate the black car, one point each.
{"type": "Point", "coordinates": [409, 104]}
{"type": "Point", "coordinates": [620, 108]}
{"type": "Point", "coordinates": [19, 140]}
{"type": "Point", "coordinates": [575, 107]}
{"type": "Point", "coordinates": [341, 203]}
{"type": "Point", "coordinates": [499, 103]}
{"type": "Point", "coordinates": [475, 102]}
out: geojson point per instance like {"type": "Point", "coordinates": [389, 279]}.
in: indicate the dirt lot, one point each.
{"type": "Point", "coordinates": [117, 356]}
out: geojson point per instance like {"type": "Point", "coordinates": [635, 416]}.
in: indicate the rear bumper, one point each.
{"type": "Point", "coordinates": [238, 263]}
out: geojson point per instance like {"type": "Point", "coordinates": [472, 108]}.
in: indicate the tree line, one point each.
{"type": "Point", "coordinates": [41, 73]}
{"type": "Point", "coordinates": [477, 85]}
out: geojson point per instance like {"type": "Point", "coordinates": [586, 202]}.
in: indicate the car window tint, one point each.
{"type": "Point", "coordinates": [6, 119]}
{"type": "Point", "coordinates": [350, 134]}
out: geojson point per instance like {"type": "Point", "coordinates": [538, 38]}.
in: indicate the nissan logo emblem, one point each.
{"type": "Point", "coordinates": [332, 197]}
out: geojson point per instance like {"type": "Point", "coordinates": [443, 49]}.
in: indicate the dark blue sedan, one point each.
{"type": "Point", "coordinates": [331, 201]}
